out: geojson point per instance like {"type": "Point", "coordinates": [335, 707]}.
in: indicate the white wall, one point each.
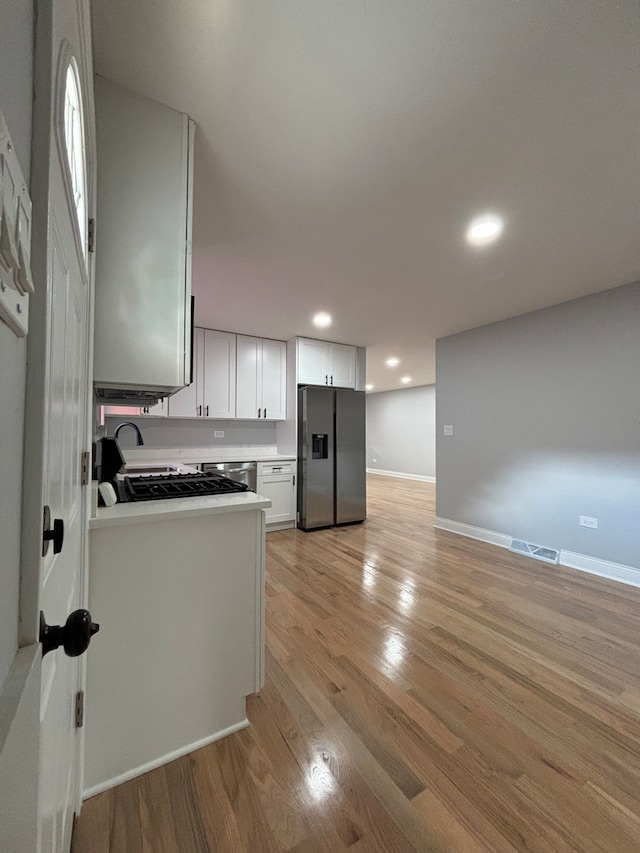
{"type": "Point", "coordinates": [16, 58]}
{"type": "Point", "coordinates": [401, 431]}
{"type": "Point", "coordinates": [546, 415]}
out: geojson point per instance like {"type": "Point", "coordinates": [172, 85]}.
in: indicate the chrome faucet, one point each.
{"type": "Point", "coordinates": [139, 439]}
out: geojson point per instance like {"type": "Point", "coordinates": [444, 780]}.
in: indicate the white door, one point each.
{"type": "Point", "coordinates": [249, 368]}
{"type": "Point", "coordinates": [274, 379]}
{"type": "Point", "coordinates": [219, 374]}
{"type": "Point", "coordinates": [65, 415]}
{"type": "Point", "coordinates": [313, 362]}
{"type": "Point", "coordinates": [342, 368]}
{"type": "Point", "coordinates": [58, 380]}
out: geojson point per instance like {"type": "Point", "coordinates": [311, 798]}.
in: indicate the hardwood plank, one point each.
{"type": "Point", "coordinates": [185, 814]}
{"type": "Point", "coordinates": [219, 821]}
{"type": "Point", "coordinates": [156, 821]}
{"type": "Point", "coordinates": [125, 831]}
{"type": "Point", "coordinates": [450, 833]}
{"type": "Point", "coordinates": [91, 829]}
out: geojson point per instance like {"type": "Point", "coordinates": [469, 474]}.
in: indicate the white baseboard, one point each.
{"type": "Point", "coordinates": [473, 532]}
{"type": "Point", "coordinates": [569, 559]}
{"type": "Point", "coordinates": [280, 525]}
{"type": "Point", "coordinates": [602, 568]}
{"type": "Point", "coordinates": [422, 477]}
{"type": "Point", "coordinates": [165, 759]}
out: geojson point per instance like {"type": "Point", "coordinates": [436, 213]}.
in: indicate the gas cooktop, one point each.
{"type": "Point", "coordinates": [157, 487]}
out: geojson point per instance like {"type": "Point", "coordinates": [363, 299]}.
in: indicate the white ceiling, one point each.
{"type": "Point", "coordinates": [343, 146]}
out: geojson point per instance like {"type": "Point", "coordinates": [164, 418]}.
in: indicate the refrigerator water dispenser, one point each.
{"type": "Point", "coordinates": [320, 445]}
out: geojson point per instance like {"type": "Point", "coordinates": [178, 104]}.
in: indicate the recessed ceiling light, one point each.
{"type": "Point", "coordinates": [405, 379]}
{"type": "Point", "coordinates": [484, 229]}
{"type": "Point", "coordinates": [322, 319]}
{"type": "Point", "coordinates": [392, 362]}
{"type": "Point", "coordinates": [368, 387]}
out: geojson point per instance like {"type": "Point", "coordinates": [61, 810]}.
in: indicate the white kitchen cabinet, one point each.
{"type": "Point", "coordinates": [342, 366]}
{"type": "Point", "coordinates": [142, 338]}
{"type": "Point", "coordinates": [180, 593]}
{"type": "Point", "coordinates": [218, 377]}
{"type": "Point", "coordinates": [276, 481]}
{"type": "Point", "coordinates": [325, 363]}
{"type": "Point", "coordinates": [212, 394]}
{"type": "Point", "coordinates": [261, 387]}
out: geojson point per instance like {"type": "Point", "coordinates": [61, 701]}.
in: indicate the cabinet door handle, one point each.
{"type": "Point", "coordinates": [294, 480]}
{"type": "Point", "coordinates": [265, 413]}
{"type": "Point", "coordinates": [199, 411]}
{"type": "Point", "coordinates": [326, 379]}
{"type": "Point", "coordinates": [207, 411]}
{"type": "Point", "coordinates": [259, 410]}
{"type": "Point", "coordinates": [332, 380]}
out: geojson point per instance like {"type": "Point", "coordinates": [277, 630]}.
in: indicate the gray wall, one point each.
{"type": "Point", "coordinates": [401, 431]}
{"type": "Point", "coordinates": [546, 415]}
{"type": "Point", "coordinates": [16, 58]}
{"type": "Point", "coordinates": [176, 432]}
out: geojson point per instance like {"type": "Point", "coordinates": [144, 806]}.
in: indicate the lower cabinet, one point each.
{"type": "Point", "coordinates": [181, 604]}
{"type": "Point", "coordinates": [277, 481]}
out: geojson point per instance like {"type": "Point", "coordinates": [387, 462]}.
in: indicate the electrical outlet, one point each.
{"type": "Point", "coordinates": [587, 521]}
{"type": "Point", "coordinates": [218, 433]}
{"type": "Point", "coordinates": [375, 460]}
{"type": "Point", "coordinates": [448, 429]}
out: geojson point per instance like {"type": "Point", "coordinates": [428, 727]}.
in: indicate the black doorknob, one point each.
{"type": "Point", "coordinates": [74, 636]}
{"type": "Point", "coordinates": [55, 533]}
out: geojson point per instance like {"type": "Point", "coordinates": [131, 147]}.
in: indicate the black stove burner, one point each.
{"type": "Point", "coordinates": [176, 486]}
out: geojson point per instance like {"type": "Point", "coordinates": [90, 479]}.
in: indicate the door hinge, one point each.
{"type": "Point", "coordinates": [79, 709]}
{"type": "Point", "coordinates": [91, 235]}
{"type": "Point", "coordinates": [85, 468]}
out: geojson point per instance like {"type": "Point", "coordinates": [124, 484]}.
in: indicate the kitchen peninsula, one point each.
{"type": "Point", "coordinates": [178, 589]}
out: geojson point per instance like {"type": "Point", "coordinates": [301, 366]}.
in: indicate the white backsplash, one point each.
{"type": "Point", "coordinates": [168, 433]}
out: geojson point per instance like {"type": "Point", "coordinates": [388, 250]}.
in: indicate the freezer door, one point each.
{"type": "Point", "coordinates": [315, 458]}
{"type": "Point", "coordinates": [350, 437]}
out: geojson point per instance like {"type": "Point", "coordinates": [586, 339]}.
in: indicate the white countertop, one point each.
{"type": "Point", "coordinates": [136, 512]}
{"type": "Point", "coordinates": [195, 455]}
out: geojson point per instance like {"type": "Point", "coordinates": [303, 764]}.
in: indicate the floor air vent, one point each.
{"type": "Point", "coordinates": [549, 555]}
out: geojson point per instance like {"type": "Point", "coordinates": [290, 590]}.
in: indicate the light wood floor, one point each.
{"type": "Point", "coordinates": [424, 692]}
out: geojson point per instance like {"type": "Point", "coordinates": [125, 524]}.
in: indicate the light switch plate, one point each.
{"type": "Point", "coordinates": [15, 239]}
{"type": "Point", "coordinates": [448, 429]}
{"type": "Point", "coordinates": [14, 306]}
{"type": "Point", "coordinates": [218, 433]}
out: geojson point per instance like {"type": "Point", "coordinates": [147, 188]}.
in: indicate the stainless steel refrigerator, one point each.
{"type": "Point", "coordinates": [331, 457]}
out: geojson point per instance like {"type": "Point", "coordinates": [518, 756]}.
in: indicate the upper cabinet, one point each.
{"type": "Point", "coordinates": [218, 377]}
{"type": "Point", "coordinates": [143, 247]}
{"type": "Point", "coordinates": [261, 378]}
{"type": "Point", "coordinates": [324, 363]}
{"type": "Point", "coordinates": [212, 394]}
